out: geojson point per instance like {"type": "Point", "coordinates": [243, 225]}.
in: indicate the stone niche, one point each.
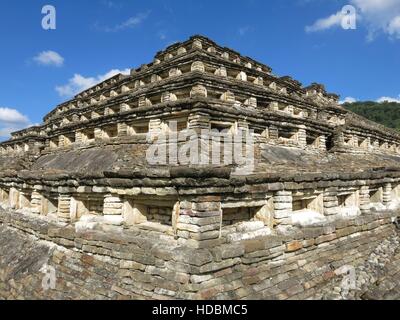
{"type": "Point", "coordinates": [222, 127]}
{"type": "Point", "coordinates": [49, 204]}
{"type": "Point", "coordinates": [86, 204]}
{"type": "Point", "coordinates": [54, 143]}
{"type": "Point", "coordinates": [175, 125]}
{"type": "Point", "coordinates": [297, 112]}
{"type": "Point", "coordinates": [4, 195]}
{"type": "Point", "coordinates": [138, 211]}
{"type": "Point", "coordinates": [394, 196]}
{"type": "Point", "coordinates": [110, 131]}
{"type": "Point", "coordinates": [135, 128]}
{"type": "Point", "coordinates": [240, 221]}
{"type": "Point", "coordinates": [308, 200]}
{"type": "Point", "coordinates": [231, 216]}
{"type": "Point", "coordinates": [69, 139]}
{"type": "Point", "coordinates": [396, 192]}
{"type": "Point", "coordinates": [348, 141]}
{"type": "Point", "coordinates": [288, 136]}
{"type": "Point", "coordinates": [312, 140]}
{"type": "Point", "coordinates": [364, 143]}
{"type": "Point", "coordinates": [236, 215]}
{"type": "Point", "coordinates": [376, 197]}
{"type": "Point", "coordinates": [13, 198]}
{"type": "Point", "coordinates": [348, 202]}
{"type": "Point", "coordinates": [277, 106]}
{"type": "Point", "coordinates": [25, 199]}
{"type": "Point", "coordinates": [261, 132]}
{"type": "Point", "coordinates": [87, 135]}
{"type": "Point", "coordinates": [303, 208]}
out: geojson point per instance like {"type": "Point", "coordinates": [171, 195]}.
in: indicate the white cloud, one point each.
{"type": "Point", "coordinates": [394, 27]}
{"type": "Point", "coordinates": [12, 116]}
{"type": "Point", "coordinates": [348, 100]}
{"type": "Point", "coordinates": [243, 30]}
{"type": "Point", "coordinates": [162, 34]}
{"type": "Point", "coordinates": [112, 4]}
{"type": "Point", "coordinates": [80, 83]}
{"type": "Point", "coordinates": [128, 24]}
{"type": "Point", "coordinates": [388, 99]}
{"type": "Point", "coordinates": [11, 120]}
{"type": "Point", "coordinates": [333, 20]}
{"type": "Point", "coordinates": [378, 16]}
{"type": "Point", "coordinates": [49, 58]}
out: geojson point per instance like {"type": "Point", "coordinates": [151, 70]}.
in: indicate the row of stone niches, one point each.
{"type": "Point", "coordinates": [114, 209]}
{"type": "Point", "coordinates": [285, 136]}
{"type": "Point", "coordinates": [278, 208]}
{"type": "Point", "coordinates": [197, 66]}
{"type": "Point", "coordinates": [237, 99]}
{"type": "Point", "coordinates": [140, 83]}
{"type": "Point", "coordinates": [367, 143]}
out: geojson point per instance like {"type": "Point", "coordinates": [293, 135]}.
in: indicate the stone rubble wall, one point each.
{"type": "Point", "coordinates": [149, 265]}
{"type": "Point", "coordinates": [377, 278]}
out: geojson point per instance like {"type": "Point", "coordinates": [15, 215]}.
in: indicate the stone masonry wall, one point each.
{"type": "Point", "coordinates": [149, 265]}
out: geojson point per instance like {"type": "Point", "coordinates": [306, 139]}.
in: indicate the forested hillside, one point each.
{"type": "Point", "coordinates": [386, 113]}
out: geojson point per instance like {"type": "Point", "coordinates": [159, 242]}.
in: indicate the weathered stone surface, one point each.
{"type": "Point", "coordinates": [234, 268]}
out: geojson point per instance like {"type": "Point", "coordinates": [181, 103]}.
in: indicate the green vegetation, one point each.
{"type": "Point", "coordinates": [386, 113]}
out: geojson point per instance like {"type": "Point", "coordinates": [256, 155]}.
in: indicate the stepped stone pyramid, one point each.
{"type": "Point", "coordinates": [86, 171]}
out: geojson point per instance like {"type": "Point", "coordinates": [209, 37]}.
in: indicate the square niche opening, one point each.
{"type": "Point", "coordinates": [86, 205]}
{"type": "Point", "coordinates": [345, 200]}
{"type": "Point", "coordinates": [139, 212]}
{"type": "Point", "coordinates": [232, 216]}
{"type": "Point", "coordinates": [376, 195]}
{"type": "Point", "coordinates": [49, 204]}
{"type": "Point", "coordinates": [311, 202]}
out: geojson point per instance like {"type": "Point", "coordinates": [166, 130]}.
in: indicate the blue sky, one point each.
{"type": "Point", "coordinates": [95, 38]}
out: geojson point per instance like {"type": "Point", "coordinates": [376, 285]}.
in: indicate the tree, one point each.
{"type": "Point", "coordinates": [386, 113]}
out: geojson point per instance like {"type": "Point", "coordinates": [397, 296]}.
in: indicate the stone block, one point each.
{"type": "Point", "coordinates": [294, 246]}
